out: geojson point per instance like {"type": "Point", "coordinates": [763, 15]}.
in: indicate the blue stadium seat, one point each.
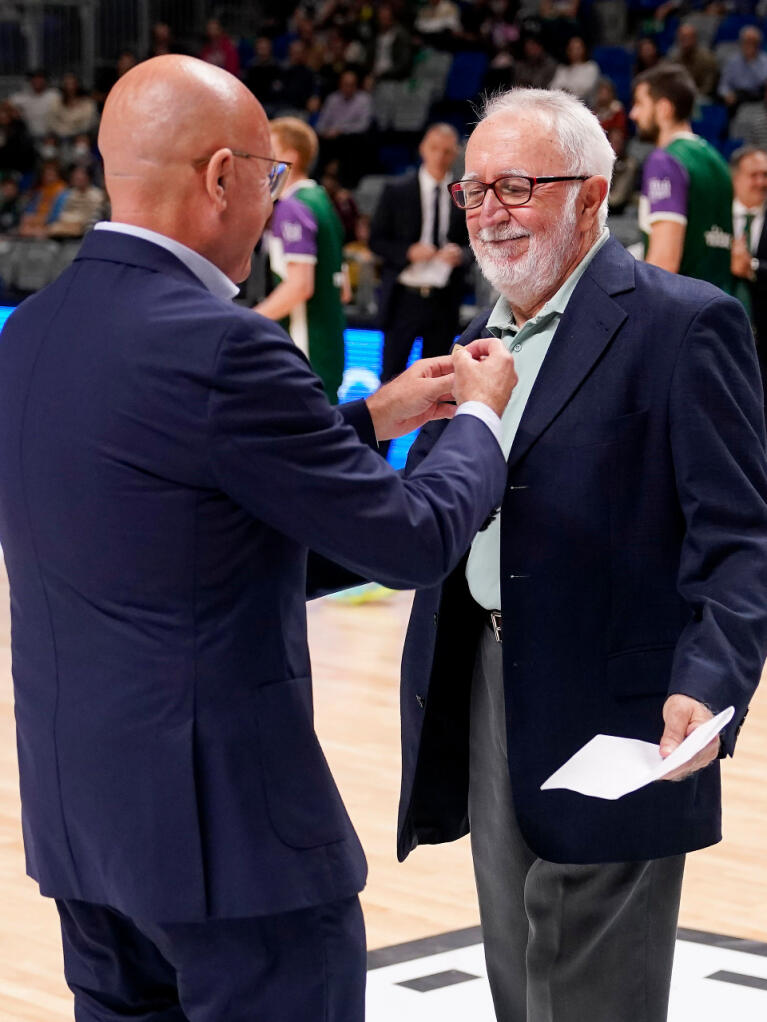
{"type": "Point", "coordinates": [466, 74]}
{"type": "Point", "coordinates": [613, 60]}
{"type": "Point", "coordinates": [712, 123]}
{"type": "Point", "coordinates": [729, 145]}
{"type": "Point", "coordinates": [395, 159]}
{"type": "Point", "coordinates": [731, 25]}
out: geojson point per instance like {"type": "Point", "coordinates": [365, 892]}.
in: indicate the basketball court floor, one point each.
{"type": "Point", "coordinates": [425, 960]}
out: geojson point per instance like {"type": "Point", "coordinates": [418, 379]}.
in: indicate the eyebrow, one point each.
{"type": "Point", "coordinates": [513, 172]}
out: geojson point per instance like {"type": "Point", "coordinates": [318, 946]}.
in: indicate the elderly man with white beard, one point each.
{"type": "Point", "coordinates": [620, 589]}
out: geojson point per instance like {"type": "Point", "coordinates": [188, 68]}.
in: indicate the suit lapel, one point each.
{"type": "Point", "coordinates": [589, 323]}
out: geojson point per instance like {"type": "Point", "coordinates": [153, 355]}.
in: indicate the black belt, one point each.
{"type": "Point", "coordinates": [495, 622]}
{"type": "Point", "coordinates": [424, 291]}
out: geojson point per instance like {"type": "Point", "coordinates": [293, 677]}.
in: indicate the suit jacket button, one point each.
{"type": "Point", "coordinates": [436, 620]}
{"type": "Point", "coordinates": [421, 701]}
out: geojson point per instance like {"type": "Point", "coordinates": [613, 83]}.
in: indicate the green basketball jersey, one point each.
{"type": "Point", "coordinates": [689, 181]}
{"type": "Point", "coordinates": [324, 311]}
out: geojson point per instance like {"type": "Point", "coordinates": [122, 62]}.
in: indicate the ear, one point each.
{"type": "Point", "coordinates": [592, 196]}
{"type": "Point", "coordinates": [218, 175]}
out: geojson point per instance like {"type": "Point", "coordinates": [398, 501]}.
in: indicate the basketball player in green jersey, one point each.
{"type": "Point", "coordinates": [305, 239]}
{"type": "Point", "coordinates": [685, 209]}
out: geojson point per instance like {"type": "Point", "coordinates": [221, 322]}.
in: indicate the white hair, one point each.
{"type": "Point", "coordinates": [580, 136]}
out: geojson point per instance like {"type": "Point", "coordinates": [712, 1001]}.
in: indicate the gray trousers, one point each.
{"type": "Point", "coordinates": [563, 943]}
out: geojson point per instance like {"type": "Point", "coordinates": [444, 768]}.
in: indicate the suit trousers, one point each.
{"type": "Point", "coordinates": [298, 966]}
{"type": "Point", "coordinates": [433, 317]}
{"type": "Point", "coordinates": [563, 943]}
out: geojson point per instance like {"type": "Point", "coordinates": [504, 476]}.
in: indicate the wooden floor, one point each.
{"type": "Point", "coordinates": [355, 652]}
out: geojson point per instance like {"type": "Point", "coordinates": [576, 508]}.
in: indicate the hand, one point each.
{"type": "Point", "coordinates": [740, 259]}
{"type": "Point", "coordinates": [484, 371]}
{"type": "Point", "coordinates": [450, 254]}
{"type": "Point", "coordinates": [420, 252]}
{"type": "Point", "coordinates": [682, 715]}
{"type": "Point", "coordinates": [422, 393]}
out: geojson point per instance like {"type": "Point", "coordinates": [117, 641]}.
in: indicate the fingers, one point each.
{"type": "Point", "coordinates": [677, 718]}
{"type": "Point", "coordinates": [441, 365]}
{"type": "Point", "coordinates": [437, 388]}
{"type": "Point", "coordinates": [482, 347]}
{"type": "Point", "coordinates": [703, 759]}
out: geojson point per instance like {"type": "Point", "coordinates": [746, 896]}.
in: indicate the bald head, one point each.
{"type": "Point", "coordinates": [163, 124]}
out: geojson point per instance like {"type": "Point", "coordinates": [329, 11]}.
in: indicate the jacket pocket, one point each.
{"type": "Point", "coordinates": [304, 805]}
{"type": "Point", "coordinates": [640, 672]}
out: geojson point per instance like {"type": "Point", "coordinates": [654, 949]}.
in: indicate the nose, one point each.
{"type": "Point", "coordinates": [491, 211]}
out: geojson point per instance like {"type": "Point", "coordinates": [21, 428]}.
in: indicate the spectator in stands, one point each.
{"type": "Point", "coordinates": [438, 23]}
{"type": "Point", "coordinates": [79, 151]}
{"type": "Point", "coordinates": [750, 123]}
{"type": "Point", "coordinates": [76, 112]}
{"type": "Point", "coordinates": [559, 23]}
{"type": "Point", "coordinates": [45, 202]}
{"type": "Point", "coordinates": [343, 201]}
{"type": "Point", "coordinates": [685, 210]}
{"type": "Point", "coordinates": [625, 173]}
{"type": "Point", "coordinates": [749, 249]}
{"type": "Point", "coordinates": [17, 150]}
{"type": "Point", "coordinates": [745, 74]}
{"type": "Point", "coordinates": [700, 62]}
{"type": "Point", "coordinates": [421, 238]}
{"type": "Point", "coordinates": [106, 76]}
{"type": "Point", "coordinates": [295, 88]}
{"type": "Point", "coordinates": [263, 72]}
{"type": "Point", "coordinates": [536, 68]}
{"type": "Point", "coordinates": [82, 207]}
{"type": "Point", "coordinates": [392, 55]}
{"type": "Point", "coordinates": [125, 62]}
{"type": "Point", "coordinates": [10, 203]}
{"type": "Point", "coordinates": [363, 267]}
{"type": "Point", "coordinates": [162, 41]}
{"type": "Point", "coordinates": [580, 75]}
{"type": "Point", "coordinates": [647, 55]}
{"type": "Point", "coordinates": [305, 251]}
{"type": "Point", "coordinates": [499, 25]}
{"type": "Point", "coordinates": [219, 49]}
{"type": "Point", "coordinates": [314, 46]}
{"type": "Point", "coordinates": [609, 110]}
{"type": "Point", "coordinates": [343, 126]}
{"type": "Point", "coordinates": [37, 103]}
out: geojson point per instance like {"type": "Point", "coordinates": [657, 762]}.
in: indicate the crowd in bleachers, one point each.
{"type": "Point", "coordinates": [371, 76]}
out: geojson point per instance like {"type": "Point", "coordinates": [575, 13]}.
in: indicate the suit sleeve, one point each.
{"type": "Point", "coordinates": [384, 237]}
{"type": "Point", "coordinates": [285, 454]}
{"type": "Point", "coordinates": [718, 444]}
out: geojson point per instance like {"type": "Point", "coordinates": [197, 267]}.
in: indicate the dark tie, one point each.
{"type": "Point", "coordinates": [742, 289]}
{"type": "Point", "coordinates": [435, 222]}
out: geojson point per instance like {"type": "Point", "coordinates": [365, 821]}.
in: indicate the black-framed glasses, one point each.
{"type": "Point", "coordinates": [277, 176]}
{"type": "Point", "coordinates": [510, 189]}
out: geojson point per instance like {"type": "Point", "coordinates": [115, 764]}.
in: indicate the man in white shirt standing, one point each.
{"type": "Point", "coordinates": [422, 241]}
{"type": "Point", "coordinates": [37, 104]}
{"type": "Point", "coordinates": [749, 249]}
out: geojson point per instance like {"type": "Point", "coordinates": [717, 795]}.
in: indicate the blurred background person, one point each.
{"type": "Point", "coordinates": [749, 249]}
{"type": "Point", "coordinates": [343, 126]}
{"type": "Point", "coordinates": [685, 210]}
{"type": "Point", "coordinates": [76, 113]}
{"type": "Point", "coordinates": [44, 202]}
{"type": "Point", "coordinates": [423, 245]}
{"type": "Point", "coordinates": [219, 49]}
{"type": "Point", "coordinates": [82, 206]}
{"type": "Point", "coordinates": [37, 103]}
{"type": "Point", "coordinates": [699, 62]}
{"type": "Point", "coordinates": [579, 75]}
{"type": "Point", "coordinates": [745, 73]}
{"type": "Point", "coordinates": [305, 243]}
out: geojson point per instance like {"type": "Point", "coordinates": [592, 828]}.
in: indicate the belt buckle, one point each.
{"type": "Point", "coordinates": [497, 623]}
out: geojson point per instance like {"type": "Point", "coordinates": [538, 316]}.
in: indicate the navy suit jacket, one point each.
{"type": "Point", "coordinates": [633, 566]}
{"type": "Point", "coordinates": [396, 225]}
{"type": "Point", "coordinates": [166, 461]}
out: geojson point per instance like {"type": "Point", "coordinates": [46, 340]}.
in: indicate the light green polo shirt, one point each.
{"type": "Point", "coordinates": [529, 346]}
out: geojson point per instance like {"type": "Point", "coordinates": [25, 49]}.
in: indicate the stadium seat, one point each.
{"type": "Point", "coordinates": [731, 25]}
{"type": "Point", "coordinates": [711, 122]}
{"type": "Point", "coordinates": [466, 75]}
{"type": "Point", "coordinates": [432, 68]}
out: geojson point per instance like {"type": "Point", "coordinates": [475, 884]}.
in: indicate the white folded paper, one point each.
{"type": "Point", "coordinates": [610, 767]}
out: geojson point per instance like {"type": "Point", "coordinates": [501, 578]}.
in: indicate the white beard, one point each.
{"type": "Point", "coordinates": [524, 281]}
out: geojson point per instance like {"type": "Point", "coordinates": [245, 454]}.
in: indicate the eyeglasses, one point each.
{"type": "Point", "coordinates": [278, 172]}
{"type": "Point", "coordinates": [510, 190]}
